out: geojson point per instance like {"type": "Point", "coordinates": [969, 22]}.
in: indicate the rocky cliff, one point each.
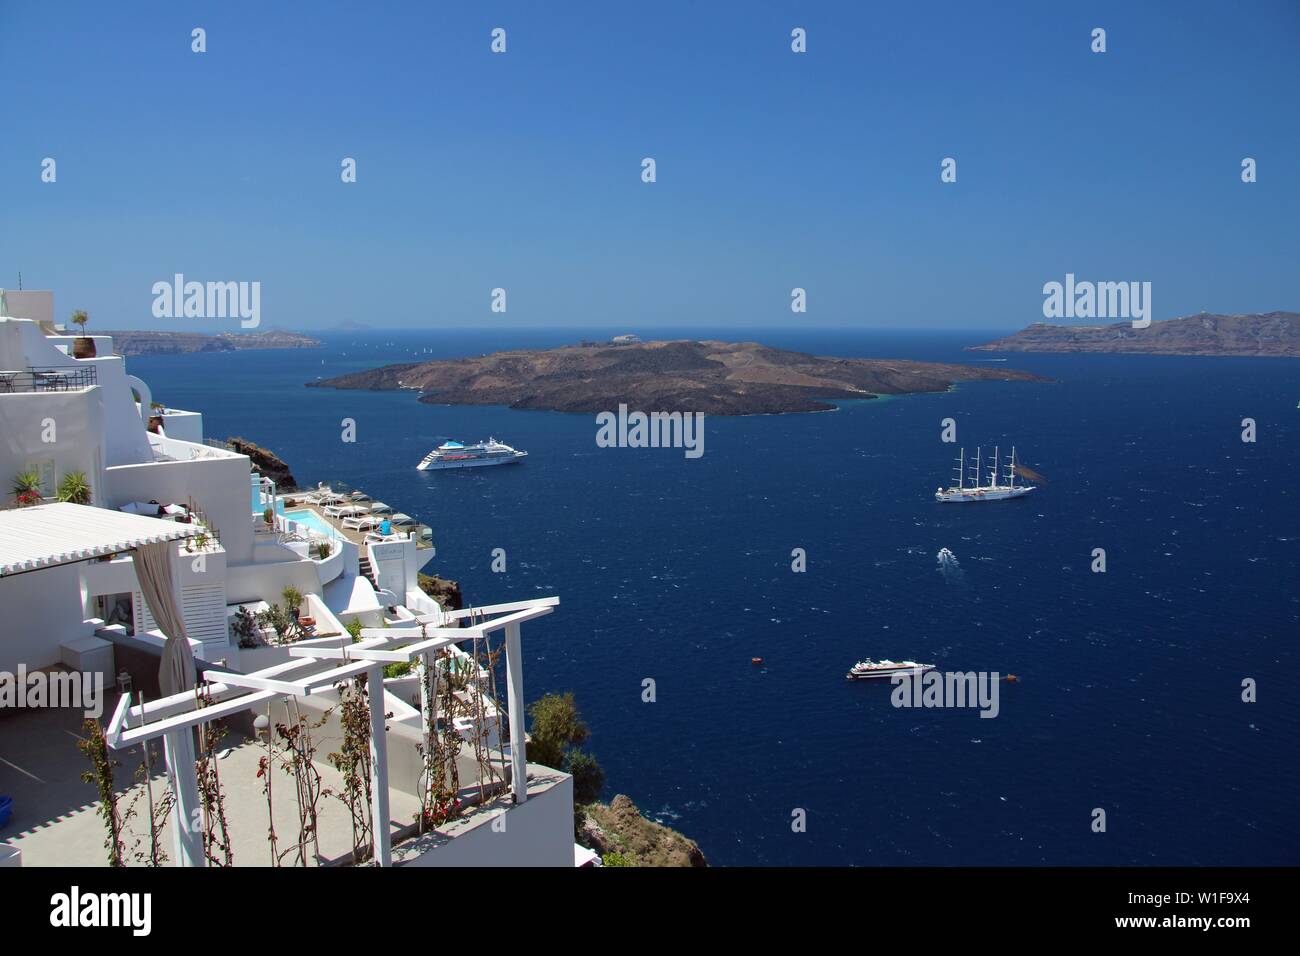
{"type": "Point", "coordinates": [175, 343]}
{"type": "Point", "coordinates": [265, 462]}
{"type": "Point", "coordinates": [1268, 333]}
{"type": "Point", "coordinates": [445, 592]}
{"type": "Point", "coordinates": [619, 827]}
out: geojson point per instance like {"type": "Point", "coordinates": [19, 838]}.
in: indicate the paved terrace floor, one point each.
{"type": "Point", "coordinates": [55, 820]}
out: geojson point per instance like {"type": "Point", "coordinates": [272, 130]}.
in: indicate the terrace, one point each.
{"type": "Point", "coordinates": [56, 820]}
{"type": "Point", "coordinates": [49, 379]}
{"type": "Point", "coordinates": [439, 801]}
{"type": "Point", "coordinates": [355, 522]}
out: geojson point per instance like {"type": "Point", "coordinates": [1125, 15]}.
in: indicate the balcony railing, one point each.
{"type": "Point", "coordinates": [61, 378]}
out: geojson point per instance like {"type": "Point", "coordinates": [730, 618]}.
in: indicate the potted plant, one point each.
{"type": "Point", "coordinates": [74, 488]}
{"type": "Point", "coordinates": [27, 488]}
{"type": "Point", "coordinates": [244, 628]}
{"type": "Point", "coordinates": [268, 516]}
{"type": "Point", "coordinates": [292, 601]}
{"type": "Point", "coordinates": [83, 346]}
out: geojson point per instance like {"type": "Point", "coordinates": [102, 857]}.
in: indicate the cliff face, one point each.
{"type": "Point", "coordinates": [716, 378]}
{"type": "Point", "coordinates": [265, 462]}
{"type": "Point", "coordinates": [1270, 333]}
{"type": "Point", "coordinates": [620, 828]}
{"type": "Point", "coordinates": [446, 593]}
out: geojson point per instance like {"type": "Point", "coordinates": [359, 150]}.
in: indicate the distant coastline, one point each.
{"type": "Point", "coordinates": [180, 343]}
{"type": "Point", "coordinates": [715, 378]}
{"type": "Point", "coordinates": [1260, 334]}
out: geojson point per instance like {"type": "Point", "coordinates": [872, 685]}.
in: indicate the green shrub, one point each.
{"type": "Point", "coordinates": [557, 726]}
{"type": "Point", "coordinates": [292, 598]}
{"type": "Point", "coordinates": [588, 777]}
{"type": "Point", "coordinates": [74, 488]}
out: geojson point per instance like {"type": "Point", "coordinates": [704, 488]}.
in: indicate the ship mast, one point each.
{"type": "Point", "coordinates": [978, 460]}
{"type": "Point", "coordinates": [1012, 467]}
{"type": "Point", "coordinates": [993, 472]}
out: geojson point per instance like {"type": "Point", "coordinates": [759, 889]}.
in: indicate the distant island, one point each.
{"type": "Point", "coordinates": [1268, 333]}
{"type": "Point", "coordinates": [716, 378]}
{"type": "Point", "coordinates": [176, 343]}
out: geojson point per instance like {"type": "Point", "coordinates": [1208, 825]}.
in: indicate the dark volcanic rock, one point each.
{"type": "Point", "coordinates": [1270, 333]}
{"type": "Point", "coordinates": [265, 462]}
{"type": "Point", "coordinates": [446, 593]}
{"type": "Point", "coordinates": [717, 378]}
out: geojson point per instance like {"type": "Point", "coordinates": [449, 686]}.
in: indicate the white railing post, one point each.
{"type": "Point", "coordinates": [379, 769]}
{"type": "Point", "coordinates": [515, 689]}
{"type": "Point", "coordinates": [187, 811]}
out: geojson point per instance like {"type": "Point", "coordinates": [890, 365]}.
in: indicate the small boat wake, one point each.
{"type": "Point", "coordinates": [949, 568]}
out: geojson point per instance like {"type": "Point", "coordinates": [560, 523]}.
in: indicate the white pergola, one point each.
{"type": "Point", "coordinates": [319, 666]}
{"type": "Point", "coordinates": [46, 536]}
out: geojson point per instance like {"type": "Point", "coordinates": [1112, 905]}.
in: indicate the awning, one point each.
{"type": "Point", "coordinates": [44, 536]}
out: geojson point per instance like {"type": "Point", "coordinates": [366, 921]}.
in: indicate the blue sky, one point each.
{"type": "Point", "coordinates": [775, 170]}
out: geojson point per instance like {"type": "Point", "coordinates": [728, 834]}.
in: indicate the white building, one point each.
{"type": "Point", "coordinates": [70, 595]}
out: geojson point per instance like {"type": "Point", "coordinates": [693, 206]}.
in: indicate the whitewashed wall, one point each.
{"type": "Point", "coordinates": [538, 832]}
{"type": "Point", "coordinates": [39, 611]}
{"type": "Point", "coordinates": [217, 485]}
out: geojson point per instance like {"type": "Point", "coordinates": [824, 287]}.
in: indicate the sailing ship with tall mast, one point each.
{"type": "Point", "coordinates": [995, 490]}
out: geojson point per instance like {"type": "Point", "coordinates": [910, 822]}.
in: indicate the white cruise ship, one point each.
{"type": "Point", "coordinates": [869, 668]}
{"type": "Point", "coordinates": [453, 454]}
{"type": "Point", "coordinates": [972, 490]}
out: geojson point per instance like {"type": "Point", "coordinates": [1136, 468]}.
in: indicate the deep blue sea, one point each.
{"type": "Point", "coordinates": [679, 570]}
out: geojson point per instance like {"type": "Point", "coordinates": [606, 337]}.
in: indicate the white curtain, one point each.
{"type": "Point", "coordinates": [154, 567]}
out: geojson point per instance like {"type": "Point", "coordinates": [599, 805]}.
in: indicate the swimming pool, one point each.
{"type": "Point", "coordinates": [313, 521]}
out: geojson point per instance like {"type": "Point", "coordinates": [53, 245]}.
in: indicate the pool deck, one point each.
{"type": "Point", "coordinates": [356, 537]}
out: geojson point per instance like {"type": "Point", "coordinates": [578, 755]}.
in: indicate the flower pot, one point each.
{"type": "Point", "coordinates": [83, 347]}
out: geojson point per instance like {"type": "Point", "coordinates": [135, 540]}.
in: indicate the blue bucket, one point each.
{"type": "Point", "coordinates": [6, 809]}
